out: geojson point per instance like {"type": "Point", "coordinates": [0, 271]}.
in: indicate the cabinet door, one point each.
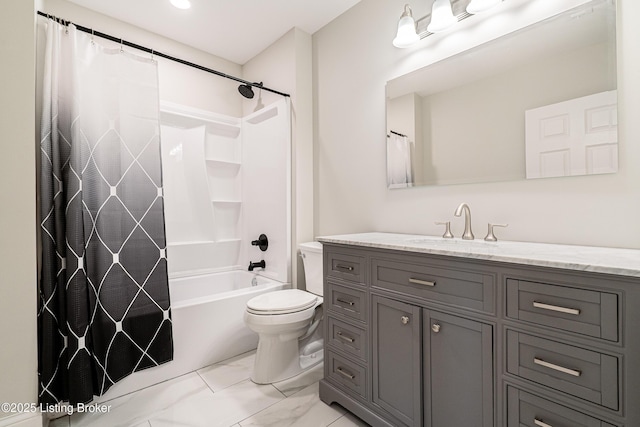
{"type": "Point", "coordinates": [458, 371]}
{"type": "Point", "coordinates": [397, 359]}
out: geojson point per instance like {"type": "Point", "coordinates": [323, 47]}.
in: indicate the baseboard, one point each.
{"type": "Point", "coordinates": [24, 420]}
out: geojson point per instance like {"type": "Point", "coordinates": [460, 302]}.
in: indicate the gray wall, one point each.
{"type": "Point", "coordinates": [18, 379]}
{"type": "Point", "coordinates": [354, 58]}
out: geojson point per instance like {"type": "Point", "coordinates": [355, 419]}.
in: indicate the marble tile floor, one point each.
{"type": "Point", "coordinates": [221, 395]}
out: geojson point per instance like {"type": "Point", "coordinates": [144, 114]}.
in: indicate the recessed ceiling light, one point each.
{"type": "Point", "coordinates": [181, 4]}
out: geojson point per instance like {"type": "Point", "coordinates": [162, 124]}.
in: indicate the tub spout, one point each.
{"type": "Point", "coordinates": [260, 264]}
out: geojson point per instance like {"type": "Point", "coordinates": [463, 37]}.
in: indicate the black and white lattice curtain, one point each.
{"type": "Point", "coordinates": [104, 298]}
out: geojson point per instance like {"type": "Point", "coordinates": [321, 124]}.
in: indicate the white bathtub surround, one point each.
{"type": "Point", "coordinates": [227, 182]}
{"type": "Point", "coordinates": [233, 401]}
{"type": "Point", "coordinates": [625, 262]}
{"type": "Point", "coordinates": [207, 325]}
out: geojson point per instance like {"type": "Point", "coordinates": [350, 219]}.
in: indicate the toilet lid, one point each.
{"type": "Point", "coordinates": [280, 302]}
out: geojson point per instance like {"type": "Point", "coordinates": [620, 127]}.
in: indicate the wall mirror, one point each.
{"type": "Point", "coordinates": [539, 102]}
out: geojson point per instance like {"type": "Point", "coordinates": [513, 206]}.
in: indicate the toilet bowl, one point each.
{"type": "Point", "coordinates": [288, 324]}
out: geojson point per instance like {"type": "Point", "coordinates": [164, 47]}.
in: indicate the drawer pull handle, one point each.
{"type": "Point", "coordinates": [421, 282]}
{"type": "Point", "coordinates": [541, 423]}
{"type": "Point", "coordinates": [344, 267]}
{"type": "Point", "coordinates": [404, 320]}
{"type": "Point", "coordinates": [544, 306]}
{"type": "Point", "coordinates": [435, 327]}
{"type": "Point", "coordinates": [556, 367]}
{"type": "Point", "coordinates": [345, 373]}
{"type": "Point", "coordinates": [351, 303]}
{"type": "Point", "coordinates": [344, 337]}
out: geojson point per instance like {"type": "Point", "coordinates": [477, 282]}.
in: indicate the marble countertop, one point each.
{"type": "Point", "coordinates": [625, 262]}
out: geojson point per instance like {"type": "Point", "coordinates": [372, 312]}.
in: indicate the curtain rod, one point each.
{"type": "Point", "coordinates": [160, 54]}
{"type": "Point", "coordinates": [397, 133]}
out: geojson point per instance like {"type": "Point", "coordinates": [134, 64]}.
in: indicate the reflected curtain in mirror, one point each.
{"type": "Point", "coordinates": [400, 152]}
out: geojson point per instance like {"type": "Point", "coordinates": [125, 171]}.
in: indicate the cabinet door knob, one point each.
{"type": "Point", "coordinates": [404, 320]}
{"type": "Point", "coordinates": [435, 328]}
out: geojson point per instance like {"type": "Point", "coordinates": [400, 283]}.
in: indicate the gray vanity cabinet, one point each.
{"type": "Point", "coordinates": [447, 356]}
{"type": "Point", "coordinates": [397, 350]}
{"type": "Point", "coordinates": [458, 367]}
{"type": "Point", "coordinates": [424, 366]}
{"type": "Point", "coordinates": [420, 339]}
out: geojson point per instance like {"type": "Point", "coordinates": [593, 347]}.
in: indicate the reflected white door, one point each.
{"type": "Point", "coordinates": [575, 137]}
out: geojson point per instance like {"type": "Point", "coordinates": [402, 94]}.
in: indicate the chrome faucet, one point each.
{"type": "Point", "coordinates": [468, 234]}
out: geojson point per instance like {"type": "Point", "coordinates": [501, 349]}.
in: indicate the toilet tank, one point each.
{"type": "Point", "coordinates": [311, 254]}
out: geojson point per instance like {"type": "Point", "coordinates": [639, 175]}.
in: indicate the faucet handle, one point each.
{"type": "Point", "coordinates": [447, 232]}
{"type": "Point", "coordinates": [490, 236]}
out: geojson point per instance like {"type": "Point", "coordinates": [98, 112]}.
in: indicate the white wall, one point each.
{"type": "Point", "coordinates": [286, 66]}
{"type": "Point", "coordinates": [18, 298]}
{"type": "Point", "coordinates": [178, 83]}
{"type": "Point", "coordinates": [353, 59]}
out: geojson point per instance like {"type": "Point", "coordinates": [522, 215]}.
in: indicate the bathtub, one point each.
{"type": "Point", "coordinates": [207, 314]}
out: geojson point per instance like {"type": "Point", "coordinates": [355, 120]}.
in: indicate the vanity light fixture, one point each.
{"type": "Point", "coordinates": [406, 35]}
{"type": "Point", "coordinates": [442, 17]}
{"type": "Point", "coordinates": [479, 6]}
{"type": "Point", "coordinates": [181, 4]}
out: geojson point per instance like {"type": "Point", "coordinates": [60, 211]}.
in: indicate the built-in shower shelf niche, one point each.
{"type": "Point", "coordinates": [226, 219]}
{"type": "Point", "coordinates": [224, 179]}
{"type": "Point", "coordinates": [226, 202]}
{"type": "Point", "coordinates": [224, 129]}
{"type": "Point", "coordinates": [265, 114]}
{"type": "Point", "coordinates": [213, 197]}
{"type": "Point", "coordinates": [229, 242]}
{"type": "Point", "coordinates": [223, 145]}
{"type": "Point", "coordinates": [219, 163]}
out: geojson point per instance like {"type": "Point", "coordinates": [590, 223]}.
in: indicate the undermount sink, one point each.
{"type": "Point", "coordinates": [451, 243]}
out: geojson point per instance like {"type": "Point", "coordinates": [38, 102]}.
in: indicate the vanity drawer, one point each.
{"type": "Point", "coordinates": [527, 410]}
{"type": "Point", "coordinates": [582, 311]}
{"type": "Point", "coordinates": [344, 266]}
{"type": "Point", "coordinates": [586, 374]}
{"type": "Point", "coordinates": [459, 287]}
{"type": "Point", "coordinates": [348, 338]}
{"type": "Point", "coordinates": [346, 373]}
{"type": "Point", "coordinates": [347, 301]}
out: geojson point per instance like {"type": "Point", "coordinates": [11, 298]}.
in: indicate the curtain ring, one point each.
{"type": "Point", "coordinates": [152, 54]}
{"type": "Point", "coordinates": [121, 48]}
{"type": "Point", "coordinates": [92, 41]}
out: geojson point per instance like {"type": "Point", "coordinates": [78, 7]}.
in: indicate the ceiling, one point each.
{"type": "Point", "coordinates": [236, 30]}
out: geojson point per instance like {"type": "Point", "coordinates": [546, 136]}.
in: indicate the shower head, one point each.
{"type": "Point", "coordinates": [246, 91]}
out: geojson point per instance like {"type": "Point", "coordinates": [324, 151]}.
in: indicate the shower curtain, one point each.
{"type": "Point", "coordinates": [104, 299]}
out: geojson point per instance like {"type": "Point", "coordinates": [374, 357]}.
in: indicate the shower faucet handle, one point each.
{"type": "Point", "coordinates": [447, 232]}
{"type": "Point", "coordinates": [262, 242]}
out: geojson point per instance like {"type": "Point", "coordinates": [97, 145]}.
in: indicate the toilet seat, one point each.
{"type": "Point", "coordinates": [281, 302]}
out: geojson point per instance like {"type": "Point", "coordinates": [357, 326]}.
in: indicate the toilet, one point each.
{"type": "Point", "coordinates": [288, 324]}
